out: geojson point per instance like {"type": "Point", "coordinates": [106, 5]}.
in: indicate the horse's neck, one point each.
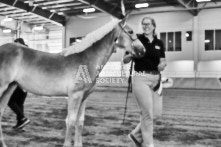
{"type": "Point", "coordinates": [101, 51]}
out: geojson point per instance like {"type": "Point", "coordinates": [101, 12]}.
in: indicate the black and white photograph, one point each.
{"type": "Point", "coordinates": [110, 73]}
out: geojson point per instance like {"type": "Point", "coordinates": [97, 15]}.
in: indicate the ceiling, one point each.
{"type": "Point", "coordinates": [55, 12]}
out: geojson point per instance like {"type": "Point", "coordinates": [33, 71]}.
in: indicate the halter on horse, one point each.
{"type": "Point", "coordinates": [54, 74]}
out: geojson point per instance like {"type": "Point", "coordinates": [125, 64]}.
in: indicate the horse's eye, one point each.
{"type": "Point", "coordinates": [116, 40]}
{"type": "Point", "coordinates": [130, 31]}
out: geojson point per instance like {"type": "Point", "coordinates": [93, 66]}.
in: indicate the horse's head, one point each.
{"type": "Point", "coordinates": [128, 40]}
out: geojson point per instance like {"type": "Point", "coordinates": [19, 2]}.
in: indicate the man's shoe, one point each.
{"type": "Point", "coordinates": [21, 124]}
{"type": "Point", "coordinates": [134, 140]}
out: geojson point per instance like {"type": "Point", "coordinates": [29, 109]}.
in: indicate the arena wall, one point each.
{"type": "Point", "coordinates": [193, 67]}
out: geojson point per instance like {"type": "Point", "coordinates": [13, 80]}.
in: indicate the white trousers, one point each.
{"type": "Point", "coordinates": [150, 105]}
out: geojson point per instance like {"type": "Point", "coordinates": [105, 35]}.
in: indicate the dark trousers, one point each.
{"type": "Point", "coordinates": [16, 103]}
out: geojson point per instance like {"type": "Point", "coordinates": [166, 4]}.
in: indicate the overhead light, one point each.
{"type": "Point", "coordinates": [203, 1]}
{"type": "Point", "coordinates": [58, 24]}
{"type": "Point", "coordinates": [44, 7]}
{"type": "Point", "coordinates": [207, 41]}
{"type": "Point", "coordinates": [60, 13]}
{"type": "Point", "coordinates": [38, 28]}
{"type": "Point", "coordinates": [64, 9]}
{"type": "Point", "coordinates": [6, 31]}
{"type": "Point", "coordinates": [87, 10]}
{"type": "Point", "coordinates": [187, 34]}
{"type": "Point", "coordinates": [29, 2]}
{"type": "Point", "coordinates": [53, 11]}
{"type": "Point", "coordinates": [142, 5]}
{"type": "Point", "coordinates": [7, 19]}
{"type": "Point", "coordinates": [78, 40]}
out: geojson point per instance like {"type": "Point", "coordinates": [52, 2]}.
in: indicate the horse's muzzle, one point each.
{"type": "Point", "coordinates": [139, 50]}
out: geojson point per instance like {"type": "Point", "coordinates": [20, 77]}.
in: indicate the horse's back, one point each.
{"type": "Point", "coordinates": [39, 72]}
{"type": "Point", "coordinates": [8, 50]}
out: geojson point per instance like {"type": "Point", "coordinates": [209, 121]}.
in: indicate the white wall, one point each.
{"type": "Point", "coordinates": [80, 27]}
{"type": "Point", "coordinates": [50, 41]}
{"type": "Point", "coordinates": [208, 61]}
{"type": "Point", "coordinates": [208, 20]}
{"type": "Point", "coordinates": [8, 24]}
{"type": "Point", "coordinates": [170, 22]}
{"type": "Point", "coordinates": [180, 64]}
{"type": "Point", "coordinates": [180, 68]}
{"type": "Point", "coordinates": [9, 37]}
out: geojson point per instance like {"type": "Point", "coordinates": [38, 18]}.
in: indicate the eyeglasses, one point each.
{"type": "Point", "coordinates": [146, 24]}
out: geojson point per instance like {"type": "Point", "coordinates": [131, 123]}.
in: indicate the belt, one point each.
{"type": "Point", "coordinates": [152, 72]}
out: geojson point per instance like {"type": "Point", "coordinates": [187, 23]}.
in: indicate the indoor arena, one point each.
{"type": "Point", "coordinates": [110, 73]}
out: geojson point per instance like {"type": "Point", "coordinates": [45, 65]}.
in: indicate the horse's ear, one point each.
{"type": "Point", "coordinates": [123, 22]}
{"type": "Point", "coordinates": [123, 8]}
{"type": "Point", "coordinates": [125, 14]}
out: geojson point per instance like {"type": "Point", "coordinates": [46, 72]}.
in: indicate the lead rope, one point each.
{"type": "Point", "coordinates": [128, 90]}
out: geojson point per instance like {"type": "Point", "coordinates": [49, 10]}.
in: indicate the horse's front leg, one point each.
{"type": "Point", "coordinates": [80, 120]}
{"type": "Point", "coordinates": [74, 103]}
{"type": "Point", "coordinates": [79, 126]}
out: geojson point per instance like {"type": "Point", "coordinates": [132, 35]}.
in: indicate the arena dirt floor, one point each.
{"type": "Point", "coordinates": [191, 118]}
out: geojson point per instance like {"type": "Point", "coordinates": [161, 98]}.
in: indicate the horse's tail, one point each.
{"type": "Point", "coordinates": [9, 57]}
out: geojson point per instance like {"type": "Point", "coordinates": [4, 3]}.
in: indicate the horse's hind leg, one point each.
{"type": "Point", "coordinates": [74, 103]}
{"type": "Point", "coordinates": [5, 93]}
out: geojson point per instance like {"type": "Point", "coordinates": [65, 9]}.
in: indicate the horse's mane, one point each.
{"type": "Point", "coordinates": [91, 38]}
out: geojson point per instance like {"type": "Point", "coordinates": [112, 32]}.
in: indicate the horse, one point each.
{"type": "Point", "coordinates": [71, 73]}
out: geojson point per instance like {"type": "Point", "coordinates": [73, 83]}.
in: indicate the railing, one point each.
{"type": "Point", "coordinates": [192, 74]}
{"type": "Point", "coordinates": [117, 69]}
